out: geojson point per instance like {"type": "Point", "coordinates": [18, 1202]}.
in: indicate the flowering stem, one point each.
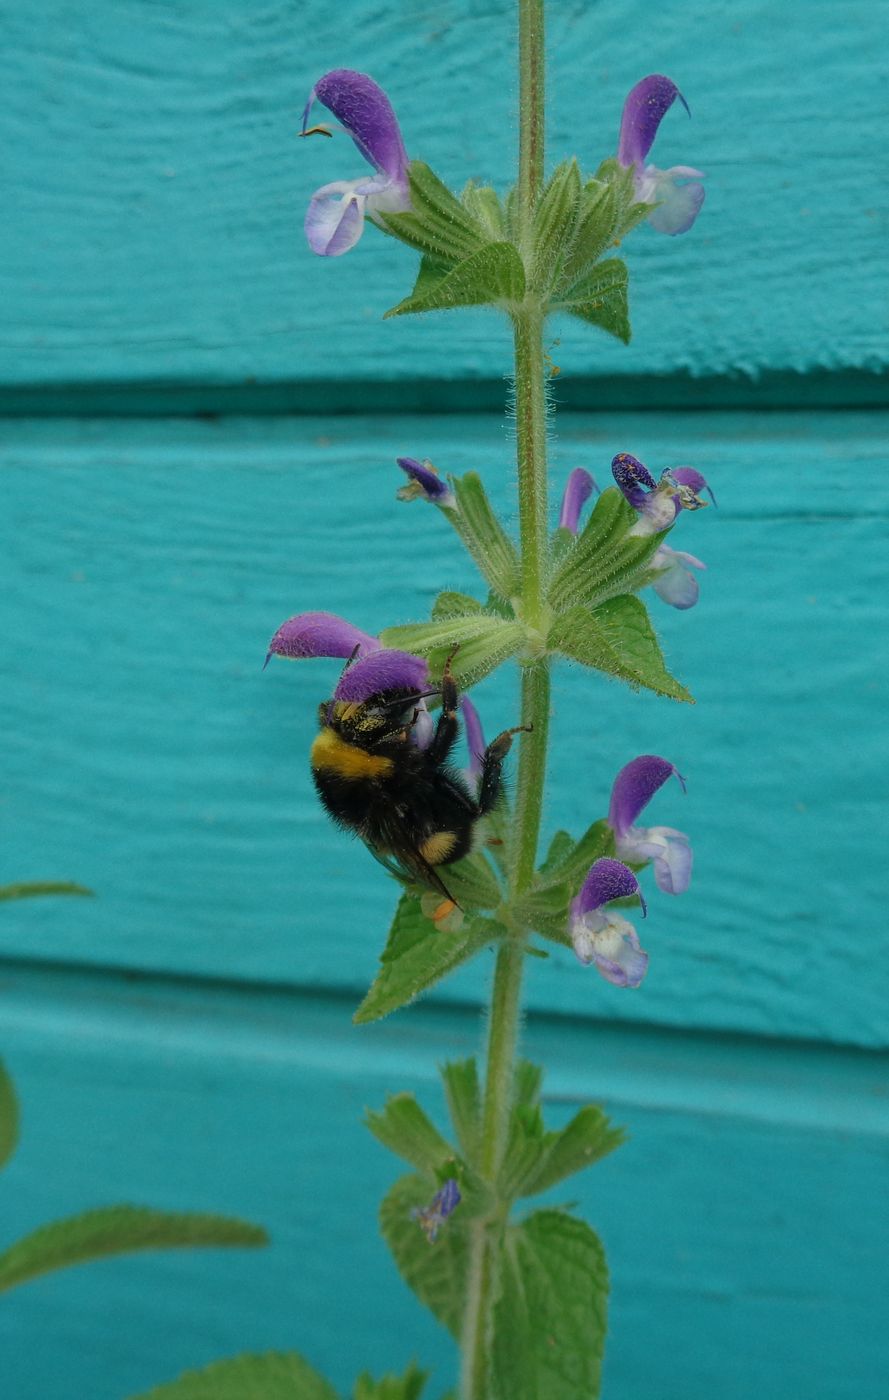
{"type": "Point", "coordinates": [530, 416]}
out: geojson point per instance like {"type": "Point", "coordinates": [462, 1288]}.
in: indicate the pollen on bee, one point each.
{"type": "Point", "coordinates": [446, 914]}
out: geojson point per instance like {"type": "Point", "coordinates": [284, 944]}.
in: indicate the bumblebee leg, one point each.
{"type": "Point", "coordinates": [447, 728]}
{"type": "Point", "coordinates": [490, 784]}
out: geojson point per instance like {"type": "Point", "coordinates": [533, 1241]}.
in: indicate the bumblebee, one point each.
{"type": "Point", "coordinates": [411, 808]}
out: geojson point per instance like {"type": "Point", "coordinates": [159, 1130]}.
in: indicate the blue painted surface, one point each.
{"type": "Point", "coordinates": [743, 1219]}
{"type": "Point", "coordinates": [155, 189]}
{"type": "Point", "coordinates": [151, 243]}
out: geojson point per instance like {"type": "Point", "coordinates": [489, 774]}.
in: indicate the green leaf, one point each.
{"type": "Point", "coordinates": [617, 637]}
{"type": "Point", "coordinates": [619, 178]}
{"type": "Point", "coordinates": [554, 224]}
{"type": "Point", "coordinates": [438, 223]}
{"type": "Point", "coordinates": [9, 1117]}
{"type": "Point", "coordinates": [451, 604]}
{"type": "Point", "coordinates": [482, 203]}
{"type": "Point", "coordinates": [484, 536]}
{"type": "Point", "coordinates": [526, 1083]}
{"type": "Point", "coordinates": [586, 1139]}
{"type": "Point", "coordinates": [272, 1376]}
{"type": "Point", "coordinates": [417, 956]}
{"type": "Point", "coordinates": [550, 1317]}
{"type": "Point", "coordinates": [560, 847]}
{"type": "Point", "coordinates": [546, 910]}
{"type": "Point", "coordinates": [404, 1128]}
{"type": "Point", "coordinates": [407, 1387]}
{"type": "Point", "coordinates": [436, 1272]}
{"type": "Point", "coordinates": [110, 1230]}
{"type": "Point", "coordinates": [524, 1147]}
{"type": "Point", "coordinates": [570, 863]}
{"type": "Point", "coordinates": [606, 558]}
{"type": "Point", "coordinates": [484, 643]}
{"type": "Point", "coordinates": [420, 638]}
{"type": "Point", "coordinates": [596, 231]}
{"type": "Point", "coordinates": [31, 888]}
{"type": "Point", "coordinates": [600, 297]}
{"type": "Point", "coordinates": [463, 1093]}
{"type": "Point", "coordinates": [491, 276]}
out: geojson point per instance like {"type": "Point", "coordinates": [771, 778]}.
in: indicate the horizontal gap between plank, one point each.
{"type": "Point", "coordinates": [796, 1084]}
{"type": "Point", "coordinates": [771, 391]}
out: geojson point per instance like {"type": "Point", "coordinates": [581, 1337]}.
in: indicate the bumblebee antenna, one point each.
{"type": "Point", "coordinates": [403, 700]}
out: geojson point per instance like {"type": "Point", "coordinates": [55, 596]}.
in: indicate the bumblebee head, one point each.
{"type": "Point", "coordinates": [388, 714]}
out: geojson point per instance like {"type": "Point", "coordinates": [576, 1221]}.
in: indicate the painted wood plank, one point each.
{"type": "Point", "coordinates": [743, 1219]}
{"type": "Point", "coordinates": [154, 188]}
{"type": "Point", "coordinates": [148, 756]}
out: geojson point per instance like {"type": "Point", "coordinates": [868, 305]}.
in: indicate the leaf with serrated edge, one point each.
{"type": "Point", "coordinates": [491, 276]}
{"type": "Point", "coordinates": [600, 298]}
{"type": "Point", "coordinates": [550, 1316]}
{"type": "Point", "coordinates": [617, 637]}
{"type": "Point", "coordinates": [436, 1272]}
{"type": "Point", "coordinates": [30, 889]}
{"type": "Point", "coordinates": [404, 1128]}
{"type": "Point", "coordinates": [9, 1117]}
{"type": "Point", "coordinates": [407, 1387]}
{"type": "Point", "coordinates": [463, 1093]}
{"type": "Point", "coordinates": [417, 956]}
{"type": "Point", "coordinates": [586, 1139]}
{"type": "Point", "coordinates": [110, 1230]}
{"type": "Point", "coordinates": [269, 1376]}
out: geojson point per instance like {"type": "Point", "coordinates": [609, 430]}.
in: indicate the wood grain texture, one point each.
{"type": "Point", "coordinates": [149, 757]}
{"type": "Point", "coordinates": [154, 189]}
{"type": "Point", "coordinates": [742, 1219]}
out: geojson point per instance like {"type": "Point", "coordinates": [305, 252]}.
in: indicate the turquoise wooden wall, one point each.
{"type": "Point", "coordinates": [199, 422]}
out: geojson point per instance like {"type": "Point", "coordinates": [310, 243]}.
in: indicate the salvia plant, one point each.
{"type": "Point", "coordinates": [524, 1293]}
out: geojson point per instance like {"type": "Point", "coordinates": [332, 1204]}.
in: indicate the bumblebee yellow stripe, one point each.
{"type": "Point", "coordinates": [331, 752]}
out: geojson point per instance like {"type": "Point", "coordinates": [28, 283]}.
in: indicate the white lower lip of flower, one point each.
{"type": "Point", "coordinates": [598, 935]}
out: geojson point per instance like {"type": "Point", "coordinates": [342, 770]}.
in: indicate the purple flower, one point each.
{"type": "Point", "coordinates": [634, 787]}
{"type": "Point", "coordinates": [335, 216]}
{"type": "Point", "coordinates": [578, 489]}
{"type": "Point", "coordinates": [431, 1218]}
{"type": "Point", "coordinates": [675, 583]}
{"type": "Point", "coordinates": [658, 502]}
{"type": "Point", "coordinates": [601, 936]}
{"type": "Point", "coordinates": [677, 206]}
{"type": "Point", "coordinates": [424, 483]}
{"type": "Point", "coordinates": [372, 668]}
{"type": "Point", "coordinates": [475, 741]}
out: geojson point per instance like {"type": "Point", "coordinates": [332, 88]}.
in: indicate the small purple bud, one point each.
{"type": "Point", "coordinates": [425, 483]}
{"type": "Point", "coordinates": [578, 489]}
{"type": "Point", "coordinates": [432, 1217]}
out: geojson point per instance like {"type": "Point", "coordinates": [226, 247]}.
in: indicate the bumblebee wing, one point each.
{"type": "Point", "coordinates": [408, 866]}
{"type": "Point", "coordinates": [426, 873]}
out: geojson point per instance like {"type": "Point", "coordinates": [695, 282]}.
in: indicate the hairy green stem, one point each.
{"type": "Point", "coordinates": [530, 418]}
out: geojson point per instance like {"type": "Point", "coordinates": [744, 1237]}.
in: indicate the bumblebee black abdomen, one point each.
{"type": "Point", "coordinates": [397, 803]}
